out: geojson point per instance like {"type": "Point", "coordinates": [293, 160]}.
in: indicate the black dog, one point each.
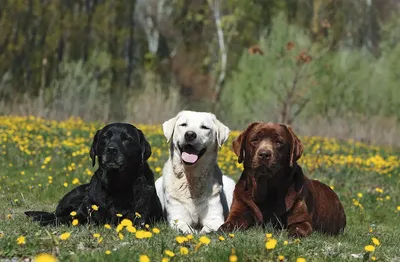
{"type": "Point", "coordinates": [123, 183]}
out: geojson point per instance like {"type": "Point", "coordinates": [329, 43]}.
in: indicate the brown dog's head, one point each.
{"type": "Point", "coordinates": [266, 148]}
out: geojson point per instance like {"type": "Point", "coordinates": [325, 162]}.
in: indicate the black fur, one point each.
{"type": "Point", "coordinates": [123, 183]}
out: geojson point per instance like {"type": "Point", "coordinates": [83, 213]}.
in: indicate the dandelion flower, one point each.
{"type": "Point", "coordinates": [99, 240]}
{"type": "Point", "coordinates": [369, 248]}
{"type": "Point", "coordinates": [119, 215]}
{"type": "Point", "coordinates": [73, 213]}
{"type": "Point", "coordinates": [360, 195]}
{"type": "Point", "coordinates": [107, 226]}
{"type": "Point", "coordinates": [164, 259]}
{"type": "Point", "coordinates": [190, 236]}
{"type": "Point", "coordinates": [95, 208]}
{"type": "Point", "coordinates": [181, 239]}
{"type": "Point", "coordinates": [221, 238]}
{"type": "Point", "coordinates": [96, 235]}
{"type": "Point", "coordinates": [44, 257]}
{"type": "Point", "coordinates": [144, 258]}
{"type": "Point", "coordinates": [75, 181]}
{"type": "Point", "coordinates": [268, 235]}
{"type": "Point", "coordinates": [138, 215]}
{"type": "Point", "coordinates": [233, 257]}
{"type": "Point", "coordinates": [375, 241]}
{"type": "Point", "coordinates": [121, 236]}
{"type": "Point", "coordinates": [156, 230]}
{"type": "Point", "coordinates": [300, 259]}
{"type": "Point", "coordinates": [373, 258]}
{"type": "Point", "coordinates": [65, 236]}
{"type": "Point", "coordinates": [184, 250]}
{"type": "Point", "coordinates": [281, 258]}
{"type": "Point", "coordinates": [75, 222]}
{"type": "Point", "coordinates": [232, 235]}
{"type": "Point", "coordinates": [204, 240]}
{"type": "Point", "coordinates": [271, 243]}
{"type": "Point", "coordinates": [21, 240]}
{"type": "Point", "coordinates": [140, 234]}
{"type": "Point", "coordinates": [119, 228]}
{"type": "Point", "coordinates": [285, 242]}
{"type": "Point", "coordinates": [126, 222]}
{"type": "Point", "coordinates": [398, 208]}
{"type": "Point", "coordinates": [65, 184]}
{"type": "Point", "coordinates": [107, 252]}
{"type": "Point", "coordinates": [131, 229]}
{"type": "Point", "coordinates": [169, 253]}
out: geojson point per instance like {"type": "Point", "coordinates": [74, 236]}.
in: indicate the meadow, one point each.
{"type": "Point", "coordinates": [41, 160]}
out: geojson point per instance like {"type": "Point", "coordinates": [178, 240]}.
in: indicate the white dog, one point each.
{"type": "Point", "coordinates": [193, 192]}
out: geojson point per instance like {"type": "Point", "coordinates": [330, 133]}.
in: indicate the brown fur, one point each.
{"type": "Point", "coordinates": [274, 189]}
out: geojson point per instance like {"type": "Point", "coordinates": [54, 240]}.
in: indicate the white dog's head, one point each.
{"type": "Point", "coordinates": [194, 134]}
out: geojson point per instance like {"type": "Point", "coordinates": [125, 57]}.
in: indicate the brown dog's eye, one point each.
{"type": "Point", "coordinates": [279, 143]}
{"type": "Point", "coordinates": [254, 139]}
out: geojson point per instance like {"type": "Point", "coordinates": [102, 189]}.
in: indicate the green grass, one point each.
{"type": "Point", "coordinates": [25, 144]}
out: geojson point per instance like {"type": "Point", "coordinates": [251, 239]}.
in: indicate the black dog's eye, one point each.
{"type": "Point", "coordinates": [205, 127]}
{"type": "Point", "coordinates": [125, 137]}
{"type": "Point", "coordinates": [183, 124]}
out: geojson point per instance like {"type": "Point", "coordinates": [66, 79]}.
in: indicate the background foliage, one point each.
{"type": "Point", "coordinates": [109, 60]}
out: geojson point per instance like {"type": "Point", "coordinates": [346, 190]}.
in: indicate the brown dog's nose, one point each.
{"type": "Point", "coordinates": [264, 154]}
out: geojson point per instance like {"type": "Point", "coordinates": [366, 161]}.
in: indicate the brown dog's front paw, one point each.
{"type": "Point", "coordinates": [226, 227]}
{"type": "Point", "coordinates": [300, 230]}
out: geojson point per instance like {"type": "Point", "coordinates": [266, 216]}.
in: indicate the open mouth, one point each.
{"type": "Point", "coordinates": [190, 155]}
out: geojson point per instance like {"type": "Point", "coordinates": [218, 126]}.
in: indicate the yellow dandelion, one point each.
{"type": "Point", "coordinates": [99, 240]}
{"type": "Point", "coordinates": [21, 240]}
{"type": "Point", "coordinates": [233, 257]}
{"type": "Point", "coordinates": [285, 242]}
{"type": "Point", "coordinates": [126, 222]}
{"type": "Point", "coordinates": [221, 238]}
{"type": "Point", "coordinates": [398, 208]}
{"type": "Point", "coordinates": [165, 259]}
{"type": "Point", "coordinates": [107, 252]}
{"type": "Point", "coordinates": [376, 241]}
{"type": "Point", "coordinates": [119, 215]}
{"type": "Point", "coordinates": [144, 258]}
{"type": "Point", "coordinates": [95, 208]}
{"type": "Point", "coordinates": [204, 240]}
{"type": "Point", "coordinates": [65, 236]}
{"type": "Point", "coordinates": [158, 169]}
{"type": "Point", "coordinates": [75, 222]}
{"type": "Point", "coordinates": [232, 235]}
{"type": "Point", "coordinates": [75, 181]}
{"type": "Point", "coordinates": [360, 195]}
{"type": "Point", "coordinates": [119, 228]}
{"type": "Point", "coordinates": [147, 226]}
{"type": "Point", "coordinates": [281, 258]}
{"type": "Point", "coordinates": [369, 248]}
{"type": "Point", "coordinates": [300, 259]}
{"type": "Point", "coordinates": [73, 213]}
{"type": "Point", "coordinates": [268, 235]}
{"type": "Point", "coordinates": [44, 257]}
{"type": "Point", "coordinates": [138, 215]}
{"type": "Point", "coordinates": [96, 235]}
{"type": "Point", "coordinates": [65, 184]}
{"type": "Point", "coordinates": [271, 243]}
{"type": "Point", "coordinates": [140, 234]}
{"type": "Point", "coordinates": [107, 226]}
{"type": "Point", "coordinates": [190, 236]}
{"type": "Point", "coordinates": [9, 216]}
{"type": "Point", "coordinates": [131, 229]}
{"type": "Point", "coordinates": [181, 239]}
{"type": "Point", "coordinates": [184, 250]}
{"type": "Point", "coordinates": [121, 236]}
{"type": "Point", "coordinates": [169, 253]}
{"type": "Point", "coordinates": [373, 258]}
{"type": "Point", "coordinates": [156, 230]}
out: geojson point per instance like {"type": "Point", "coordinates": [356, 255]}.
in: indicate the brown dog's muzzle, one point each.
{"type": "Point", "coordinates": [264, 158]}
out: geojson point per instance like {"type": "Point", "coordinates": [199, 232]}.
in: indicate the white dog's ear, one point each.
{"type": "Point", "coordinates": [168, 128]}
{"type": "Point", "coordinates": [222, 132]}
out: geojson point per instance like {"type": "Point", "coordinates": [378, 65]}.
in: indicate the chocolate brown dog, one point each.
{"type": "Point", "coordinates": [274, 189]}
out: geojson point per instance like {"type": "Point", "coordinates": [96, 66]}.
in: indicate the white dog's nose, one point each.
{"type": "Point", "coordinates": [190, 136]}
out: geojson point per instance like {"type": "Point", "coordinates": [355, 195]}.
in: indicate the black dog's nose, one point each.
{"type": "Point", "coordinates": [190, 136]}
{"type": "Point", "coordinates": [112, 150]}
{"type": "Point", "coordinates": [264, 154]}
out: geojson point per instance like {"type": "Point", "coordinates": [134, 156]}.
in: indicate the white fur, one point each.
{"type": "Point", "coordinates": [193, 195]}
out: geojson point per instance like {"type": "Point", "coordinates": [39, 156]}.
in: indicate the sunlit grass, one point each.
{"type": "Point", "coordinates": [41, 160]}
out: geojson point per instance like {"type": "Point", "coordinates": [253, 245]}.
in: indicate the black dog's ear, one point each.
{"type": "Point", "coordinates": [93, 148]}
{"type": "Point", "coordinates": [144, 144]}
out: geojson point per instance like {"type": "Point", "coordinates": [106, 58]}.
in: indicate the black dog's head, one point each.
{"type": "Point", "coordinates": [119, 146]}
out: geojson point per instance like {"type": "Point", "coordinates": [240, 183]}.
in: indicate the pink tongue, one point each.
{"type": "Point", "coordinates": [189, 158]}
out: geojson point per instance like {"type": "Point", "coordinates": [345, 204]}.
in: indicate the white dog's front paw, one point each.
{"type": "Point", "coordinates": [183, 227]}
{"type": "Point", "coordinates": [210, 228]}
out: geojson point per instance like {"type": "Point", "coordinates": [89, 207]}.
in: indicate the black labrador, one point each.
{"type": "Point", "coordinates": [122, 185]}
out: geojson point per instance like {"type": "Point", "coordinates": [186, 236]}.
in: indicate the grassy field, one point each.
{"type": "Point", "coordinates": [42, 160]}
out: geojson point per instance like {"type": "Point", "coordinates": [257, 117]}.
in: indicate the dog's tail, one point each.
{"type": "Point", "coordinates": [44, 218]}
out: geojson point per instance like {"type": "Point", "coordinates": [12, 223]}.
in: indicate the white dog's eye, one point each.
{"type": "Point", "coordinates": [183, 124]}
{"type": "Point", "coordinates": [205, 127]}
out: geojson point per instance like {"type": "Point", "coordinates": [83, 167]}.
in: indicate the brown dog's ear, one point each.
{"type": "Point", "coordinates": [238, 145]}
{"type": "Point", "coordinates": [296, 149]}
{"type": "Point", "coordinates": [93, 148]}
